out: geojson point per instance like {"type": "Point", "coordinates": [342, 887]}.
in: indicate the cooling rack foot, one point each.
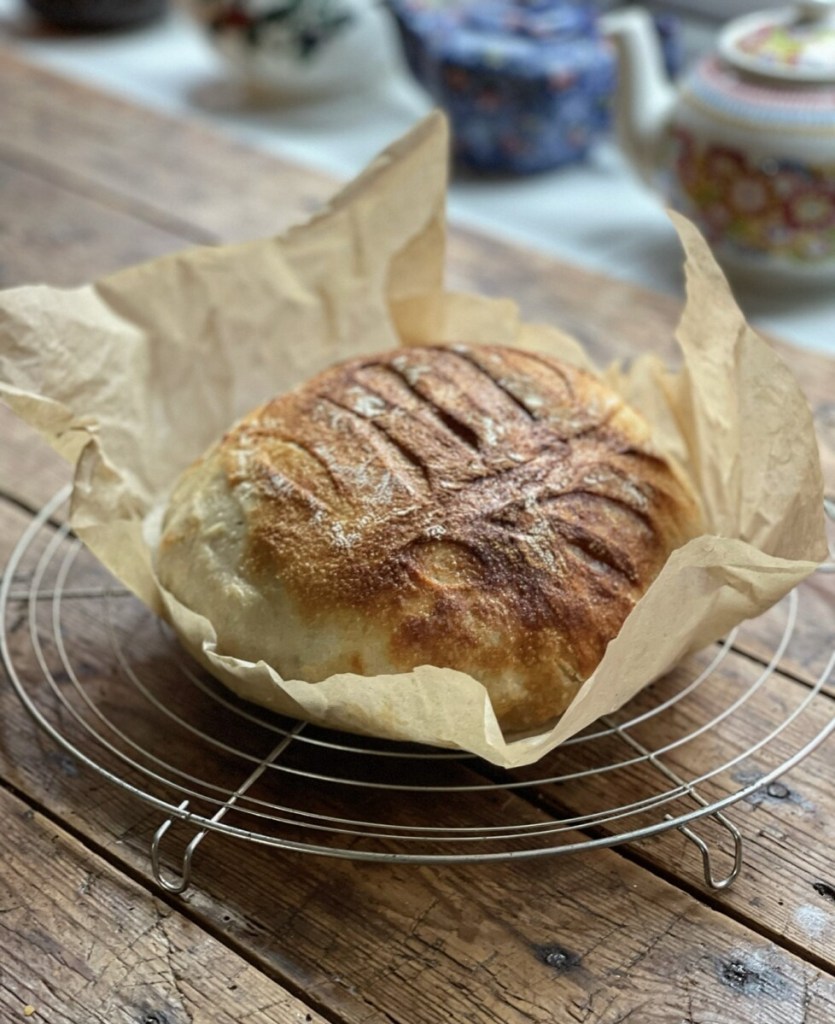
{"type": "Point", "coordinates": [717, 884]}
{"type": "Point", "coordinates": [174, 886]}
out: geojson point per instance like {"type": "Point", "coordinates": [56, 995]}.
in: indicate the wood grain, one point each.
{"type": "Point", "coordinates": [788, 827]}
{"type": "Point", "coordinates": [164, 171]}
{"type": "Point", "coordinates": [30, 472]}
{"type": "Point", "coordinates": [63, 245]}
{"type": "Point", "coordinates": [515, 941]}
{"type": "Point", "coordinates": [80, 942]}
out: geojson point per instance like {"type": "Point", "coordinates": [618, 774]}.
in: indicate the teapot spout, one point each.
{"type": "Point", "coordinates": [645, 97]}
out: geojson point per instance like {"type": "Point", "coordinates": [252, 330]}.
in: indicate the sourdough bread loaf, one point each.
{"type": "Point", "coordinates": [479, 508]}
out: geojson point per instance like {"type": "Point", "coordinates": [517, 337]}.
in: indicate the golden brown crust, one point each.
{"type": "Point", "coordinates": [478, 508]}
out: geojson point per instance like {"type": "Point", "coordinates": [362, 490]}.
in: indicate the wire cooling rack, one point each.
{"type": "Point", "coordinates": [108, 682]}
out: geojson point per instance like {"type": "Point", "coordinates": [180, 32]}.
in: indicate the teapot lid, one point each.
{"type": "Point", "coordinates": [794, 43]}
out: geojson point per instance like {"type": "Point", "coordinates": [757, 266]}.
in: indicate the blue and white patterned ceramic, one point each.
{"type": "Point", "coordinates": [526, 83]}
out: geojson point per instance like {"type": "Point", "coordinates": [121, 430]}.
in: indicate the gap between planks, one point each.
{"type": "Point", "coordinates": [181, 907]}
{"type": "Point", "coordinates": [714, 902]}
{"type": "Point", "coordinates": [105, 195]}
{"type": "Point", "coordinates": [29, 509]}
{"type": "Point", "coordinates": [827, 690]}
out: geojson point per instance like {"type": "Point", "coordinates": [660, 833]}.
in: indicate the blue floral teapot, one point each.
{"type": "Point", "coordinates": [526, 83]}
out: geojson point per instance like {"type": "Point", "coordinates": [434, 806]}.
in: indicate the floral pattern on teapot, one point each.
{"type": "Point", "coordinates": [745, 145]}
{"type": "Point", "coordinates": [766, 207]}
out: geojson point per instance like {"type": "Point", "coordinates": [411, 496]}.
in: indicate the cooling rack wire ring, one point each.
{"type": "Point", "coordinates": [38, 583]}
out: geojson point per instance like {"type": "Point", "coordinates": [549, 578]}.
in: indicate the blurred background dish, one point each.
{"type": "Point", "coordinates": [95, 15]}
{"type": "Point", "coordinates": [298, 48]}
{"type": "Point", "coordinates": [746, 146]}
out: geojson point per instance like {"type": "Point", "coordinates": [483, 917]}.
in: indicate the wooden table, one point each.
{"type": "Point", "coordinates": [89, 184]}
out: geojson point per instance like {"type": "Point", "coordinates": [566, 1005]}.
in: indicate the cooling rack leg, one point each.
{"type": "Point", "coordinates": [178, 885]}
{"type": "Point", "coordinates": [717, 884]}
{"type": "Point", "coordinates": [184, 880]}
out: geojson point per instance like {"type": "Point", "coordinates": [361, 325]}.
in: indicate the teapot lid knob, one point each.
{"type": "Point", "coordinates": [795, 44]}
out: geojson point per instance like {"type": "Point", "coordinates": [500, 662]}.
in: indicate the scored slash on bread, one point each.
{"type": "Point", "coordinates": [479, 508]}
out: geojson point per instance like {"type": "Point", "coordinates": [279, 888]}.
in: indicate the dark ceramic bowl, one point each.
{"type": "Point", "coordinates": [91, 15]}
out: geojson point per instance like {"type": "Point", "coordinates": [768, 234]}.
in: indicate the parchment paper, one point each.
{"type": "Point", "coordinates": [132, 377]}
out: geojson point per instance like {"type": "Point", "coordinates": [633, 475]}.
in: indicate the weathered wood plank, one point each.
{"type": "Point", "coordinates": [166, 171]}
{"type": "Point", "coordinates": [72, 239]}
{"type": "Point", "coordinates": [787, 885]}
{"type": "Point", "coordinates": [788, 832]}
{"type": "Point", "coordinates": [29, 470]}
{"type": "Point", "coordinates": [81, 942]}
{"type": "Point", "coordinates": [594, 938]}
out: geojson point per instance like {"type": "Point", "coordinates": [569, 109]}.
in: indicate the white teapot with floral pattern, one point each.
{"type": "Point", "coordinates": [746, 145]}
